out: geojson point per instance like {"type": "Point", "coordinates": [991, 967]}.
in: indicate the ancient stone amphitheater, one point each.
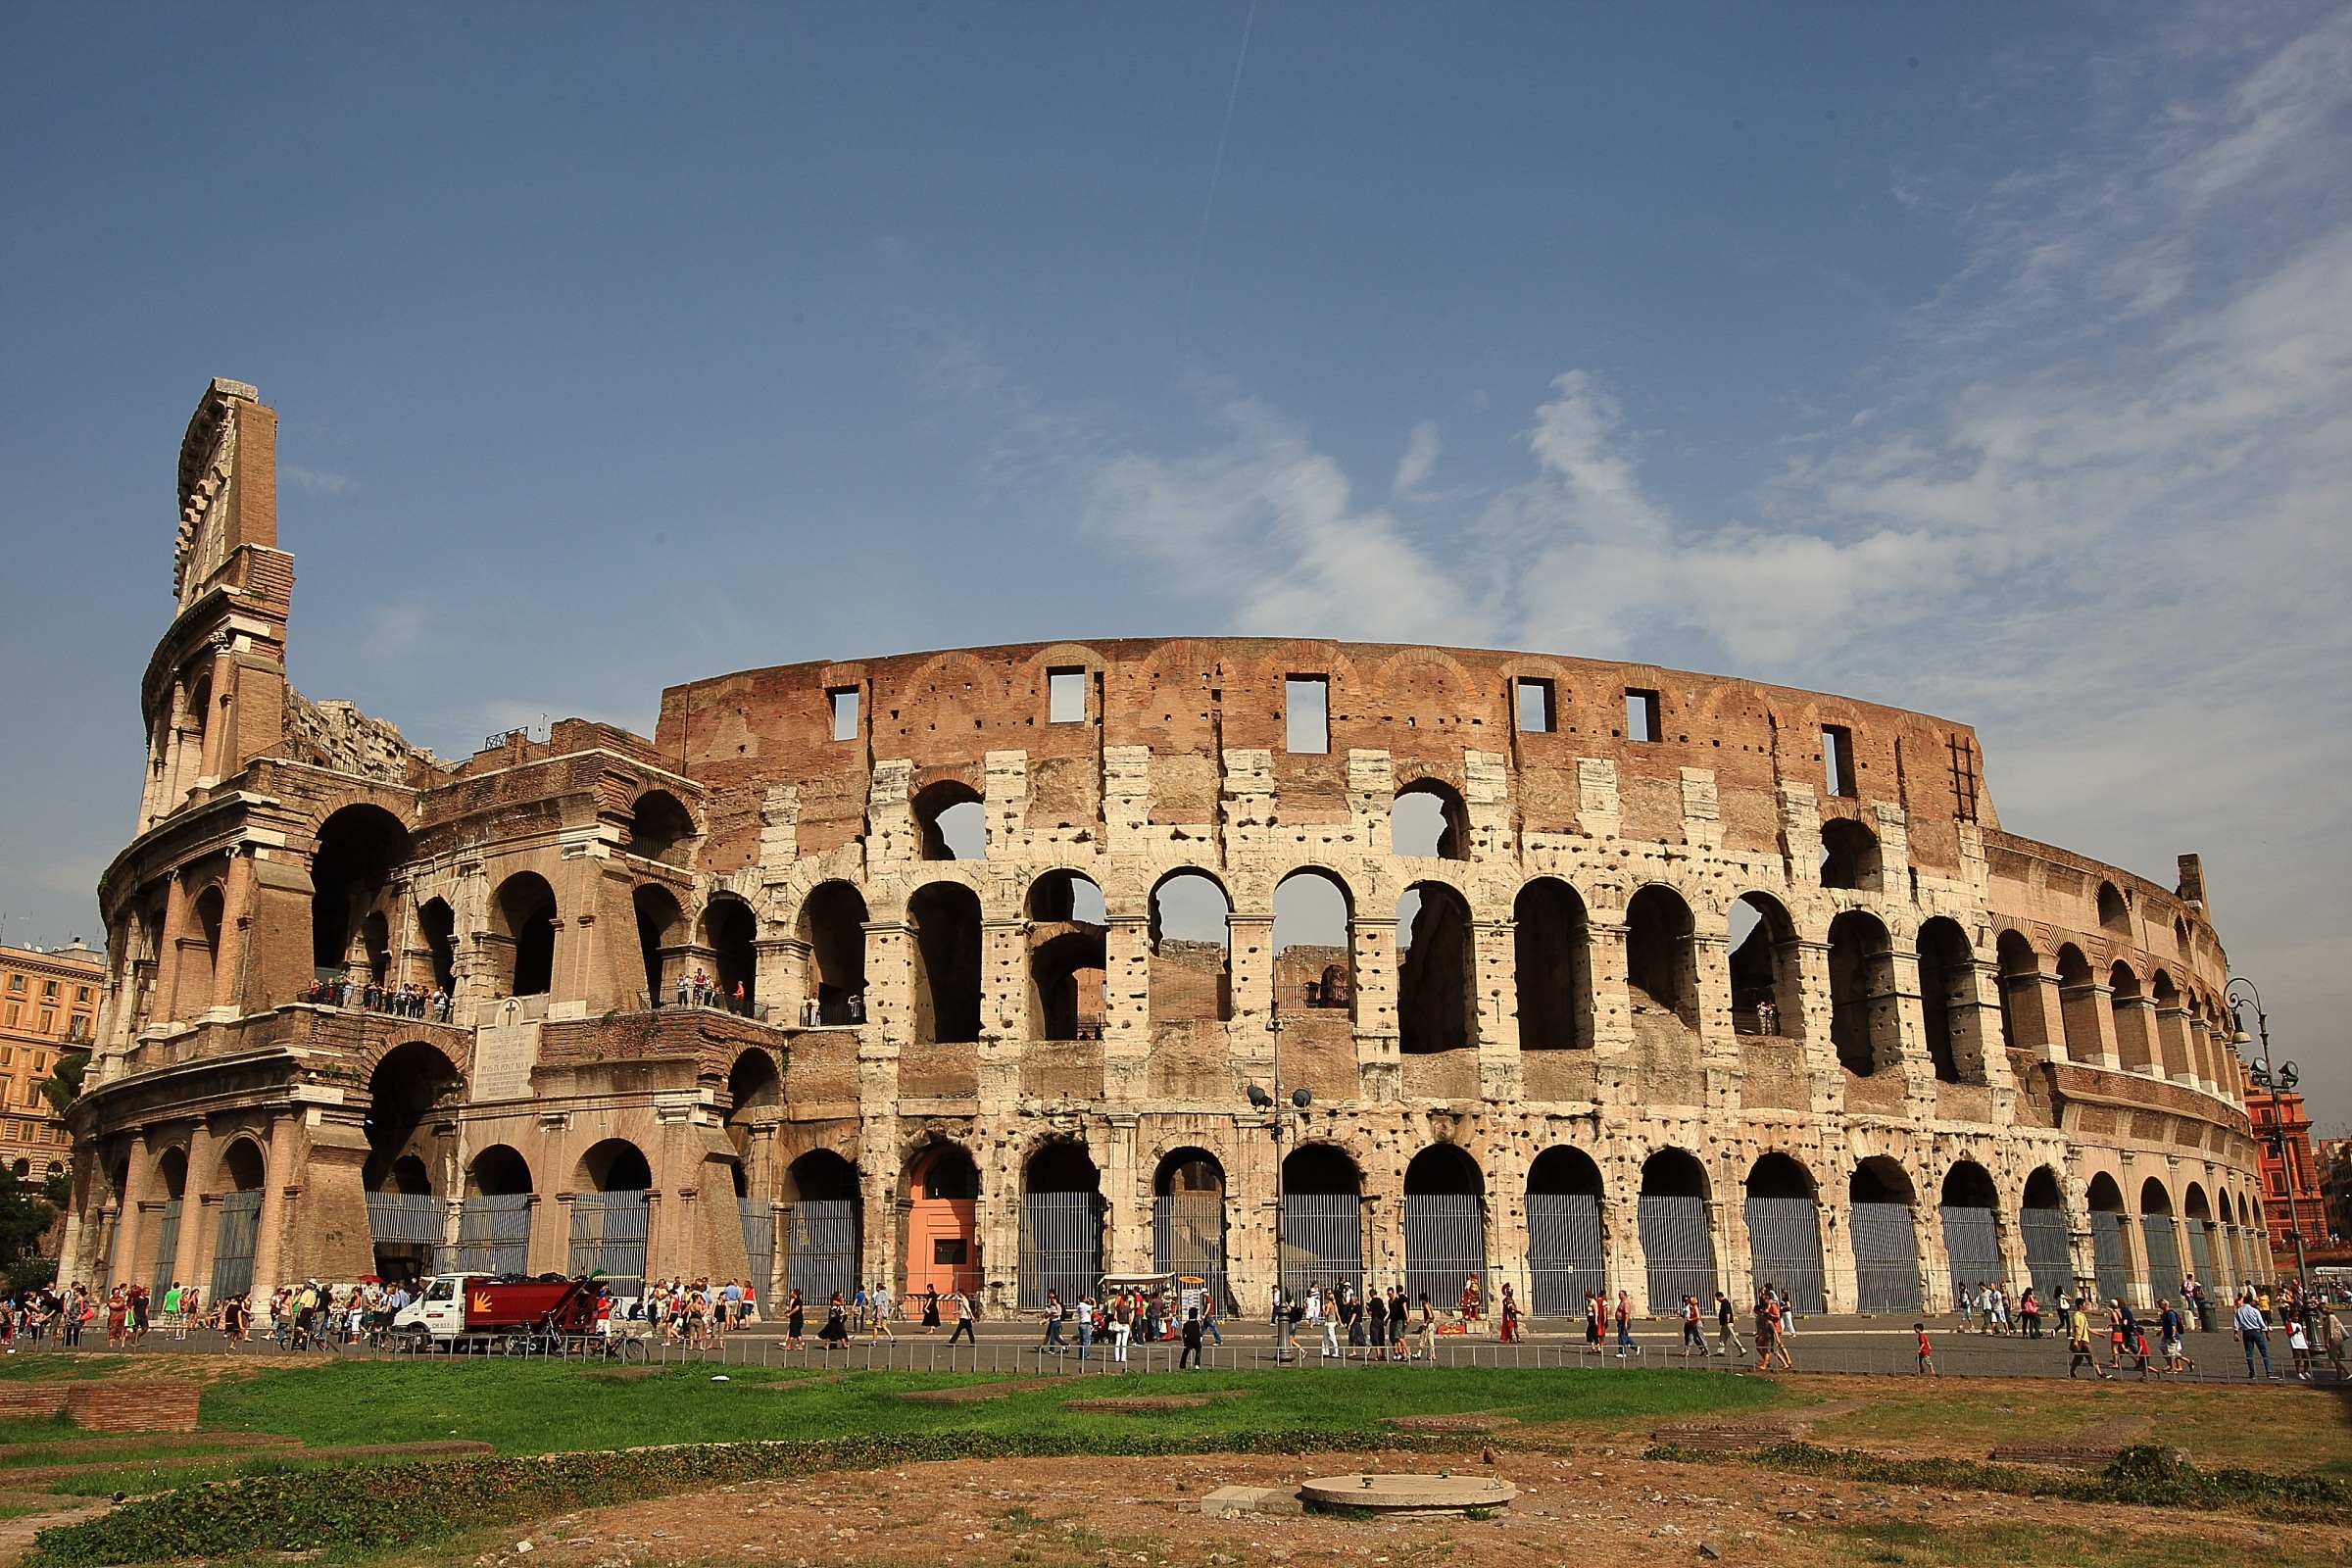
{"type": "Point", "coordinates": [1022, 965]}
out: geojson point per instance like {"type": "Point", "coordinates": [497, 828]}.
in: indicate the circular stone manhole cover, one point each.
{"type": "Point", "coordinates": [1408, 1494]}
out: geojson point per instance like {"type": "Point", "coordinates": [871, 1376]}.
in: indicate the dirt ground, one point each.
{"type": "Point", "coordinates": [1145, 1514]}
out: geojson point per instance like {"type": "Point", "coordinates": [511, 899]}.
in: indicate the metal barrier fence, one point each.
{"type": "Point", "coordinates": [1886, 1352]}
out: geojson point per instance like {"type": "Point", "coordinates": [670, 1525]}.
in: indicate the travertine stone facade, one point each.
{"type": "Point", "coordinates": [1622, 977]}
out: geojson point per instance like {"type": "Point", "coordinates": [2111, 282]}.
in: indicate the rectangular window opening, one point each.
{"type": "Point", "coordinates": [1640, 715]}
{"type": "Point", "coordinates": [1535, 706]}
{"type": "Point", "coordinates": [1837, 760]}
{"type": "Point", "coordinates": [1065, 696]}
{"type": "Point", "coordinates": [845, 711]}
{"type": "Point", "coordinates": [1307, 712]}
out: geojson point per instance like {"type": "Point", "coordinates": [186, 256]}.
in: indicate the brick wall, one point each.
{"type": "Point", "coordinates": [149, 1404]}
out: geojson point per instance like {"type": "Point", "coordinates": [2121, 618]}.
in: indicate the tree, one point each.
{"type": "Point", "coordinates": [25, 1214]}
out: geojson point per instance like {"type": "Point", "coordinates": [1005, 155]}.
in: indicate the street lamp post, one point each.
{"type": "Point", "coordinates": [1299, 1098]}
{"type": "Point", "coordinates": [2272, 1083]}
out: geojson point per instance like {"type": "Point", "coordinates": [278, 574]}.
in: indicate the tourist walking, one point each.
{"type": "Point", "coordinates": [796, 1319]}
{"type": "Point", "coordinates": [1625, 1325]}
{"type": "Point", "coordinates": [1054, 1316]}
{"type": "Point", "coordinates": [1926, 1352]}
{"type": "Point", "coordinates": [966, 1314]}
{"type": "Point", "coordinates": [1726, 1327]}
{"type": "Point", "coordinates": [2253, 1336]}
{"type": "Point", "coordinates": [1192, 1341]}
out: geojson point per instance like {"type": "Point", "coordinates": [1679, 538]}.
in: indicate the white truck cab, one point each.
{"type": "Point", "coordinates": [439, 1309]}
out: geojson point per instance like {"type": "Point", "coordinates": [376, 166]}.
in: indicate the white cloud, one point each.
{"type": "Point", "coordinates": [2100, 502]}
{"type": "Point", "coordinates": [1421, 450]}
{"type": "Point", "coordinates": [319, 481]}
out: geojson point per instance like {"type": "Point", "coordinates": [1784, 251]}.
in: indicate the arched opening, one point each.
{"type": "Point", "coordinates": [1677, 1242]}
{"type": "Point", "coordinates": [1972, 1241]}
{"type": "Point", "coordinates": [2022, 1026]}
{"type": "Point", "coordinates": [946, 916]}
{"type": "Point", "coordinates": [358, 847]}
{"type": "Point", "coordinates": [1885, 1239]}
{"type": "Point", "coordinates": [2177, 1054]}
{"type": "Point", "coordinates": [823, 1233]}
{"type": "Point", "coordinates": [171, 1178]}
{"type": "Point", "coordinates": [1552, 952]}
{"type": "Point", "coordinates": [1849, 856]}
{"type": "Point", "coordinates": [1764, 967]}
{"type": "Point", "coordinates": [1192, 967]}
{"type": "Point", "coordinates": [660, 933]}
{"type": "Point", "coordinates": [1863, 1022]}
{"type": "Point", "coordinates": [1444, 1225]}
{"type": "Point", "coordinates": [2204, 1236]}
{"type": "Point", "coordinates": [2115, 914]}
{"type": "Point", "coordinates": [412, 1099]}
{"type": "Point", "coordinates": [1188, 1220]}
{"type": "Point", "coordinates": [1068, 926]}
{"type": "Point", "coordinates": [239, 1224]}
{"type": "Point", "coordinates": [1437, 1008]}
{"type": "Point", "coordinates": [954, 822]}
{"type": "Point", "coordinates": [411, 1126]}
{"type": "Point", "coordinates": [2134, 1049]}
{"type": "Point", "coordinates": [755, 1090]}
{"type": "Point", "coordinates": [2041, 1218]}
{"type": "Point", "coordinates": [2078, 1006]}
{"type": "Point", "coordinates": [1322, 1218]}
{"type": "Point", "coordinates": [610, 1214]}
{"type": "Point", "coordinates": [522, 933]}
{"type": "Point", "coordinates": [1566, 1258]}
{"type": "Point", "coordinates": [2160, 1241]}
{"type": "Point", "coordinates": [661, 828]}
{"type": "Point", "coordinates": [731, 931]}
{"type": "Point", "coordinates": [1662, 968]}
{"type": "Point", "coordinates": [1061, 1224]}
{"type": "Point", "coordinates": [833, 923]}
{"type": "Point", "coordinates": [1314, 965]}
{"type": "Point", "coordinates": [2111, 1253]}
{"type": "Point", "coordinates": [494, 1222]}
{"type": "Point", "coordinates": [943, 1233]}
{"type": "Point", "coordinates": [1947, 1001]}
{"type": "Point", "coordinates": [200, 961]}
{"type": "Point", "coordinates": [437, 924]}
{"type": "Point", "coordinates": [1428, 820]}
{"type": "Point", "coordinates": [1784, 1231]}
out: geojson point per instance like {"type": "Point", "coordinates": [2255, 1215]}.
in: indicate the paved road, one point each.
{"type": "Point", "coordinates": [1852, 1345]}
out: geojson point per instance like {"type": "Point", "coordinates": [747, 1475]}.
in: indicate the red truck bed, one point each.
{"type": "Point", "coordinates": [490, 1304]}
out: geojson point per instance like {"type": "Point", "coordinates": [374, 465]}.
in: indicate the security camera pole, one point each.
{"type": "Point", "coordinates": [2272, 1083]}
{"type": "Point", "coordinates": [1260, 1099]}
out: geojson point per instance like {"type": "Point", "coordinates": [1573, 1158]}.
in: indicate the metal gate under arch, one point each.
{"type": "Point", "coordinates": [1972, 1246]}
{"type": "Point", "coordinates": [494, 1235]}
{"type": "Point", "coordinates": [2200, 1248]}
{"type": "Point", "coordinates": [758, 1246]}
{"type": "Point", "coordinates": [1885, 1258]}
{"type": "Point", "coordinates": [2164, 1255]}
{"type": "Point", "coordinates": [232, 1250]}
{"type": "Point", "coordinates": [167, 1251]}
{"type": "Point", "coordinates": [1061, 1246]}
{"type": "Point", "coordinates": [820, 1250]}
{"type": "Point", "coordinates": [1784, 1246]}
{"type": "Point", "coordinates": [2049, 1255]}
{"type": "Point", "coordinates": [408, 1220]}
{"type": "Point", "coordinates": [2109, 1259]}
{"type": "Point", "coordinates": [1322, 1240]}
{"type": "Point", "coordinates": [1565, 1256]}
{"type": "Point", "coordinates": [1188, 1238]}
{"type": "Point", "coordinates": [1675, 1247]}
{"type": "Point", "coordinates": [608, 1232]}
{"type": "Point", "coordinates": [1445, 1247]}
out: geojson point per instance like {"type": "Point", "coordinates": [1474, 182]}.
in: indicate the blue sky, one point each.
{"type": "Point", "coordinates": [1986, 360]}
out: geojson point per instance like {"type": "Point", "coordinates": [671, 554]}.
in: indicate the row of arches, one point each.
{"type": "Point", "coordinates": [2148, 1025]}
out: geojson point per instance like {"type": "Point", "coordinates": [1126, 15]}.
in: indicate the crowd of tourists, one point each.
{"type": "Point", "coordinates": [429, 1003]}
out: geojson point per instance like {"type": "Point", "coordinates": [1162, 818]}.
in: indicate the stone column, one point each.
{"type": "Point", "coordinates": [1839, 1288]}
{"type": "Point", "coordinates": [278, 1173]}
{"type": "Point", "coordinates": [890, 978]}
{"type": "Point", "coordinates": [192, 1256]}
{"type": "Point", "coordinates": [1916, 1063]}
{"type": "Point", "coordinates": [166, 957]}
{"type": "Point", "coordinates": [1126, 1005]}
{"type": "Point", "coordinates": [1826, 1091]}
{"type": "Point", "coordinates": [1496, 944]}
{"type": "Point", "coordinates": [128, 1222]}
{"type": "Point", "coordinates": [236, 934]}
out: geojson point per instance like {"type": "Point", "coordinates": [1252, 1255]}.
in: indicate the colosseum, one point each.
{"type": "Point", "coordinates": [1010, 967]}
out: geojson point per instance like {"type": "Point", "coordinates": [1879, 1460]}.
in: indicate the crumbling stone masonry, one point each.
{"type": "Point", "coordinates": [1595, 975]}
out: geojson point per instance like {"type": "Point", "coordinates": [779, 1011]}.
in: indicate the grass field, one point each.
{"type": "Point", "coordinates": [533, 1407]}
